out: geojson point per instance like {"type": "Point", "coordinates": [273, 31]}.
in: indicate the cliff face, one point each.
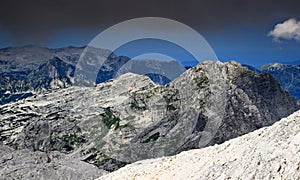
{"type": "Point", "coordinates": [268, 153]}
{"type": "Point", "coordinates": [131, 118]}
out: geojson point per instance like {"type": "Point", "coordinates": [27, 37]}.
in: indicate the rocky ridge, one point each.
{"type": "Point", "coordinates": [130, 118]}
{"type": "Point", "coordinates": [268, 153]}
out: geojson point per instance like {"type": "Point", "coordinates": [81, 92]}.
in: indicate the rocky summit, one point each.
{"type": "Point", "coordinates": [268, 153]}
{"type": "Point", "coordinates": [130, 118]}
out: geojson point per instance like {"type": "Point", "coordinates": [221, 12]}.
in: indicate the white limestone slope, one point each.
{"type": "Point", "coordinates": [268, 153]}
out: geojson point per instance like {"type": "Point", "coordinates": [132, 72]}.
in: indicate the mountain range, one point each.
{"type": "Point", "coordinates": [29, 70]}
{"type": "Point", "coordinates": [52, 127]}
{"type": "Point", "coordinates": [131, 118]}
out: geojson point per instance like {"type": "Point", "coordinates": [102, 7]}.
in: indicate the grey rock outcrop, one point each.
{"type": "Point", "coordinates": [268, 153]}
{"type": "Point", "coordinates": [26, 164]}
{"type": "Point", "coordinates": [214, 102]}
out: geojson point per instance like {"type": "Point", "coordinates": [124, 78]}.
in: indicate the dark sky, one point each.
{"type": "Point", "coordinates": [47, 21]}
{"type": "Point", "coordinates": [38, 18]}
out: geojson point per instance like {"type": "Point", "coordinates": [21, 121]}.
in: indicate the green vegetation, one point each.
{"type": "Point", "coordinates": [134, 105]}
{"type": "Point", "coordinates": [97, 158]}
{"type": "Point", "coordinates": [15, 146]}
{"type": "Point", "coordinates": [104, 87]}
{"type": "Point", "coordinates": [202, 82]}
{"type": "Point", "coordinates": [110, 119]}
{"type": "Point", "coordinates": [241, 75]}
{"type": "Point", "coordinates": [170, 107]}
{"type": "Point", "coordinates": [104, 161]}
{"type": "Point", "coordinates": [170, 98]}
{"type": "Point", "coordinates": [246, 73]}
{"type": "Point", "coordinates": [129, 118]}
{"type": "Point", "coordinates": [202, 103]}
{"type": "Point", "coordinates": [71, 140]}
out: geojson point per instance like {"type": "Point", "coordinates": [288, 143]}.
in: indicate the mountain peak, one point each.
{"type": "Point", "coordinates": [272, 67]}
{"type": "Point", "coordinates": [228, 70]}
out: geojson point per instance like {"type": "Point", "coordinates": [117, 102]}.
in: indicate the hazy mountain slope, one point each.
{"type": "Point", "coordinates": [268, 153]}
{"type": "Point", "coordinates": [27, 58]}
{"type": "Point", "coordinates": [161, 72]}
{"type": "Point", "coordinates": [287, 75]}
{"type": "Point", "coordinates": [130, 118]}
{"type": "Point", "coordinates": [27, 70]}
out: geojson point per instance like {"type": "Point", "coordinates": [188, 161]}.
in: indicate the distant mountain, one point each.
{"type": "Point", "coordinates": [29, 70]}
{"type": "Point", "coordinates": [287, 75]}
{"type": "Point", "coordinates": [158, 78]}
{"type": "Point", "coordinates": [130, 118]}
{"type": "Point", "coordinates": [28, 58]}
{"type": "Point", "coordinates": [160, 72]}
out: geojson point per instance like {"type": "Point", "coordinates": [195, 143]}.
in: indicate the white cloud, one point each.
{"type": "Point", "coordinates": [289, 29]}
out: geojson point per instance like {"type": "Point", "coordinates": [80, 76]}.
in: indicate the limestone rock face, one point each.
{"type": "Point", "coordinates": [130, 118]}
{"type": "Point", "coordinates": [268, 153]}
{"type": "Point", "coordinates": [233, 99]}
{"type": "Point", "coordinates": [26, 164]}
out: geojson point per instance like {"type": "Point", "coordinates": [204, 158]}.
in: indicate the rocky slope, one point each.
{"type": "Point", "coordinates": [268, 153]}
{"type": "Point", "coordinates": [131, 118]}
{"type": "Point", "coordinates": [26, 164]}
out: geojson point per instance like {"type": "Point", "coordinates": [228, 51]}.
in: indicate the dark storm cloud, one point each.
{"type": "Point", "coordinates": [39, 18]}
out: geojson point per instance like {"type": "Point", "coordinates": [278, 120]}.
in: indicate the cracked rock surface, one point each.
{"type": "Point", "coordinates": [268, 153]}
